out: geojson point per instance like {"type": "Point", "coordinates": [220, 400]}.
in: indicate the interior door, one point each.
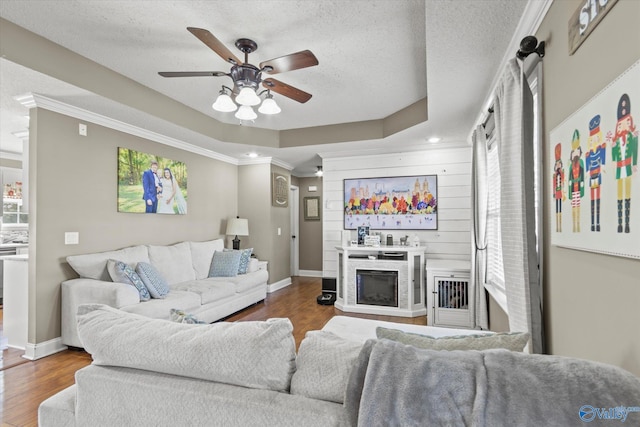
{"type": "Point", "coordinates": [294, 203]}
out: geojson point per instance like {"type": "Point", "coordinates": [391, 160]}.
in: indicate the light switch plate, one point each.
{"type": "Point", "coordinates": [71, 238]}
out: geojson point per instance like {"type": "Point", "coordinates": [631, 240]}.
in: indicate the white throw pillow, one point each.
{"type": "Point", "coordinates": [324, 364]}
{"type": "Point", "coordinates": [202, 254]}
{"type": "Point", "coordinates": [258, 355]}
{"type": "Point", "coordinates": [173, 262]}
{"type": "Point", "coordinates": [94, 266]}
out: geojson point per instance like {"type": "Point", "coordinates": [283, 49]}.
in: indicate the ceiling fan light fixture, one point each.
{"type": "Point", "coordinates": [224, 104]}
{"type": "Point", "coordinates": [245, 112]}
{"type": "Point", "coordinates": [247, 97]}
{"type": "Point", "coordinates": [269, 106]}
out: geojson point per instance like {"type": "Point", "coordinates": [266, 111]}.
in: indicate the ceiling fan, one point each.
{"type": "Point", "coordinates": [247, 77]}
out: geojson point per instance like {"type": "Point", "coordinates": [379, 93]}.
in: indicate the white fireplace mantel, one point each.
{"type": "Point", "coordinates": [408, 261]}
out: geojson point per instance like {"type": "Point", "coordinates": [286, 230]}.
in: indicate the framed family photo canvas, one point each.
{"type": "Point", "coordinates": [148, 183]}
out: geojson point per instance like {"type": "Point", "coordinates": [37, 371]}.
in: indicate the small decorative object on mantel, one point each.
{"type": "Point", "coordinates": [362, 232]}
{"type": "Point", "coordinates": [279, 190]}
{"type": "Point", "coordinates": [585, 19]}
{"type": "Point", "coordinates": [373, 241]}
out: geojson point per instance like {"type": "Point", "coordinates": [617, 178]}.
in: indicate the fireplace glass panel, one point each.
{"type": "Point", "coordinates": [377, 287]}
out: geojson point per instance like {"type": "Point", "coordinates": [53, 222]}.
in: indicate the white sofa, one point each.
{"type": "Point", "coordinates": [151, 372]}
{"type": "Point", "coordinates": [184, 266]}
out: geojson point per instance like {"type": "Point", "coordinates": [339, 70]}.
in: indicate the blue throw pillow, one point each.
{"type": "Point", "coordinates": [180, 316]}
{"type": "Point", "coordinates": [224, 264]}
{"type": "Point", "coordinates": [152, 279]}
{"type": "Point", "coordinates": [123, 273]}
{"type": "Point", "coordinates": [245, 256]}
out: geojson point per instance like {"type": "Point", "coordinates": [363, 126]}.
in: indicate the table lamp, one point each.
{"type": "Point", "coordinates": [237, 227]}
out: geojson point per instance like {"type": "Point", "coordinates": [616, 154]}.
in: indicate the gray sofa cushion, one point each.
{"type": "Point", "coordinates": [250, 354]}
{"type": "Point", "coordinates": [514, 341]}
{"type": "Point", "coordinates": [94, 266]}
{"type": "Point", "coordinates": [173, 262]}
{"type": "Point", "coordinates": [323, 366]}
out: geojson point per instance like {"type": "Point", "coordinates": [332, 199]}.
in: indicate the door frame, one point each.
{"type": "Point", "coordinates": [294, 206]}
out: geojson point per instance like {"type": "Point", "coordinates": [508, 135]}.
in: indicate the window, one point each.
{"type": "Point", "coordinates": [495, 283]}
{"type": "Point", "coordinates": [12, 212]}
{"type": "Point", "coordinates": [495, 272]}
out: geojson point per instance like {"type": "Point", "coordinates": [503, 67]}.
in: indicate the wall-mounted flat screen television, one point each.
{"type": "Point", "coordinates": [391, 203]}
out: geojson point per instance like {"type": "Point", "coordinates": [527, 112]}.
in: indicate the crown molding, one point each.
{"type": "Point", "coordinates": [31, 100]}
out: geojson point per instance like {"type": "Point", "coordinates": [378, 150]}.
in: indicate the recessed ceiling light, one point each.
{"type": "Point", "coordinates": [434, 139]}
{"type": "Point", "coordinates": [252, 155]}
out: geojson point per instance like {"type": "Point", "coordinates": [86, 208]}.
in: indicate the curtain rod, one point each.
{"type": "Point", "coordinates": [528, 45]}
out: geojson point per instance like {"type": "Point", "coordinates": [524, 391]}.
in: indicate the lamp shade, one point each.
{"type": "Point", "coordinates": [238, 227]}
{"type": "Point", "coordinates": [246, 113]}
{"type": "Point", "coordinates": [269, 106]}
{"type": "Point", "coordinates": [247, 96]}
{"type": "Point", "coordinates": [224, 104]}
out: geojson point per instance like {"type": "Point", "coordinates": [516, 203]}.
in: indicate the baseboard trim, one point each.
{"type": "Point", "coordinates": [279, 285]}
{"type": "Point", "coordinates": [43, 349]}
{"type": "Point", "coordinates": [310, 273]}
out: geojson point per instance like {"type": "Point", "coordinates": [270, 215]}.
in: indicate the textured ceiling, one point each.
{"type": "Point", "coordinates": [375, 58]}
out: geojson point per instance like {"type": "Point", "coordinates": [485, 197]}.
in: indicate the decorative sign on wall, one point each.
{"type": "Point", "coordinates": [595, 202]}
{"type": "Point", "coordinates": [279, 190]}
{"type": "Point", "coordinates": [585, 19]}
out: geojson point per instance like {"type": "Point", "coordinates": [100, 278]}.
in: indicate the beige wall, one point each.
{"type": "Point", "coordinates": [280, 244]}
{"type": "Point", "coordinates": [590, 300]}
{"type": "Point", "coordinates": [74, 188]}
{"type": "Point", "coordinates": [310, 238]}
{"type": "Point", "coordinates": [254, 203]}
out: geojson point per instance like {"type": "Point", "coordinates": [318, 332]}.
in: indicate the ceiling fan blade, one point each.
{"type": "Point", "coordinates": [294, 61]}
{"type": "Point", "coordinates": [286, 90]}
{"type": "Point", "coordinates": [216, 45]}
{"type": "Point", "coordinates": [192, 73]}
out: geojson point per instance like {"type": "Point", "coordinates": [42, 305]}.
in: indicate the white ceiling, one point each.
{"type": "Point", "coordinates": [375, 58]}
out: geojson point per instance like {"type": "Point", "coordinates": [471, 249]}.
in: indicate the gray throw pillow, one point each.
{"type": "Point", "coordinates": [152, 279]}
{"type": "Point", "coordinates": [225, 264]}
{"type": "Point", "coordinates": [123, 273]}
{"type": "Point", "coordinates": [514, 341]}
{"type": "Point", "coordinates": [245, 256]}
{"type": "Point", "coordinates": [180, 316]}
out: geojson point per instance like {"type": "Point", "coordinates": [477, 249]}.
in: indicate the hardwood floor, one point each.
{"type": "Point", "coordinates": [24, 387]}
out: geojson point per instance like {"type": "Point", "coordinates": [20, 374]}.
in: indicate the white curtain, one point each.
{"type": "Point", "coordinates": [514, 126]}
{"type": "Point", "coordinates": [479, 203]}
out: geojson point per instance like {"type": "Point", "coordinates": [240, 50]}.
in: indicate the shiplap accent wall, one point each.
{"type": "Point", "coordinates": [452, 239]}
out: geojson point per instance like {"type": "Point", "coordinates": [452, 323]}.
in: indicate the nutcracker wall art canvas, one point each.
{"type": "Point", "coordinates": [599, 180]}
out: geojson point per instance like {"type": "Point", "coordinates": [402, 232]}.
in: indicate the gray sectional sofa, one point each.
{"type": "Point", "coordinates": [185, 267]}
{"type": "Point", "coordinates": [152, 372]}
